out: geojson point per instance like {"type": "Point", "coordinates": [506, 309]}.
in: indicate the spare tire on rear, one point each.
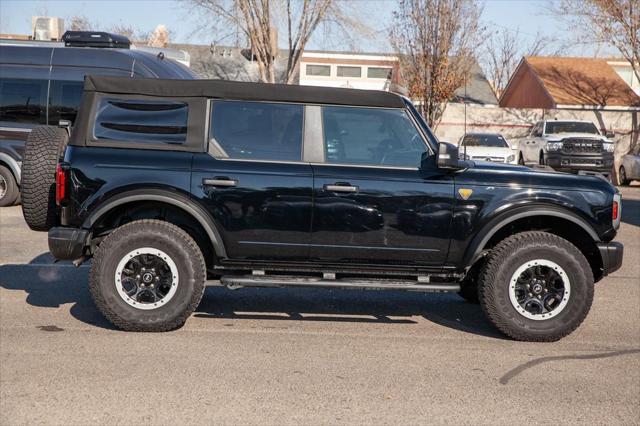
{"type": "Point", "coordinates": [43, 150]}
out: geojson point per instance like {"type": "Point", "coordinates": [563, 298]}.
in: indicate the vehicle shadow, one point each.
{"type": "Point", "coordinates": [51, 285]}
{"type": "Point", "coordinates": [383, 307]}
{"type": "Point", "coordinates": [631, 211]}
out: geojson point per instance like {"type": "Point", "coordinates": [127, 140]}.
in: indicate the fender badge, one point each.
{"type": "Point", "coordinates": [465, 193]}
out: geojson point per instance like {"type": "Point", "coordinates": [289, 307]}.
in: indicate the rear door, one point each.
{"type": "Point", "coordinates": [372, 203]}
{"type": "Point", "coordinates": [253, 180]}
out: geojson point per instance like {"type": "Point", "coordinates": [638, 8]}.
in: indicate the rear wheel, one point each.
{"type": "Point", "coordinates": [43, 150]}
{"type": "Point", "coordinates": [147, 275]}
{"type": "Point", "coordinates": [622, 176]}
{"type": "Point", "coordinates": [8, 187]}
{"type": "Point", "coordinates": [536, 286]}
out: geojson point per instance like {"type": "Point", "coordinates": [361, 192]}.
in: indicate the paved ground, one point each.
{"type": "Point", "coordinates": [306, 357]}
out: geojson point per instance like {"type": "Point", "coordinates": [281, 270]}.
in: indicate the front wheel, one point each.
{"type": "Point", "coordinates": [536, 287]}
{"type": "Point", "coordinates": [147, 275]}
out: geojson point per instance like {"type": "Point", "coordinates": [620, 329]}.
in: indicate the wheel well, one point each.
{"type": "Point", "coordinates": [563, 228]}
{"type": "Point", "coordinates": [137, 210]}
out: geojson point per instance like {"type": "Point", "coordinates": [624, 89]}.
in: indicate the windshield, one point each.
{"type": "Point", "coordinates": [570, 127]}
{"type": "Point", "coordinates": [494, 141]}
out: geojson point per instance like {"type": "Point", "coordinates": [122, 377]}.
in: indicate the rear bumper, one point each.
{"type": "Point", "coordinates": [68, 243]}
{"type": "Point", "coordinates": [611, 254]}
{"type": "Point", "coordinates": [572, 163]}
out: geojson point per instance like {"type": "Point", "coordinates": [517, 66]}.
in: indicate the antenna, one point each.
{"type": "Point", "coordinates": [464, 102]}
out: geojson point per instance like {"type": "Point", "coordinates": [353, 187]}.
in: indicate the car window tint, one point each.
{"type": "Point", "coordinates": [64, 99]}
{"type": "Point", "coordinates": [23, 101]}
{"type": "Point", "coordinates": [371, 136]}
{"type": "Point", "coordinates": [141, 121]}
{"type": "Point", "coordinates": [258, 130]}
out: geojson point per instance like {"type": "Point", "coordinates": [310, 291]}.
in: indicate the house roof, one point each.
{"type": "Point", "coordinates": [551, 82]}
{"type": "Point", "coordinates": [478, 90]}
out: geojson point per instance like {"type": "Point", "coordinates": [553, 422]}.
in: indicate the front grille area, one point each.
{"type": "Point", "coordinates": [582, 146]}
{"type": "Point", "coordinates": [484, 158]}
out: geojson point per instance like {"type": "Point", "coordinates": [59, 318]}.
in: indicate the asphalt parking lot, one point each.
{"type": "Point", "coordinates": [306, 356]}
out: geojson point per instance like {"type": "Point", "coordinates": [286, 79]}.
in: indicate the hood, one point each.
{"type": "Point", "coordinates": [560, 136]}
{"type": "Point", "coordinates": [510, 174]}
{"type": "Point", "coordinates": [476, 151]}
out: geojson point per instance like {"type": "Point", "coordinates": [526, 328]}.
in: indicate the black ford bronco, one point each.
{"type": "Point", "coordinates": [173, 185]}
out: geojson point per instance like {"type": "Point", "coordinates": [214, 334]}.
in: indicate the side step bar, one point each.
{"type": "Point", "coordinates": [237, 281]}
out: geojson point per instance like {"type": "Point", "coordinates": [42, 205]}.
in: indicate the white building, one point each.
{"type": "Point", "coordinates": [343, 69]}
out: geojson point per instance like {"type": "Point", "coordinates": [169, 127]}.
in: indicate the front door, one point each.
{"type": "Point", "coordinates": [253, 180]}
{"type": "Point", "coordinates": [372, 203]}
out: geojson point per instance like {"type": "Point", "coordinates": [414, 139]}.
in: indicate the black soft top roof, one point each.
{"type": "Point", "coordinates": [242, 91]}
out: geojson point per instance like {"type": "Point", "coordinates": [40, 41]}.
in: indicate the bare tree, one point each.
{"type": "Point", "coordinates": [159, 37]}
{"type": "Point", "coordinates": [503, 51]}
{"type": "Point", "coordinates": [80, 23]}
{"type": "Point", "coordinates": [133, 34]}
{"type": "Point", "coordinates": [615, 22]}
{"type": "Point", "coordinates": [258, 22]}
{"type": "Point", "coordinates": [435, 40]}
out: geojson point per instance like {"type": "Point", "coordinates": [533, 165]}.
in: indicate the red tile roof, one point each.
{"type": "Point", "coordinates": [581, 81]}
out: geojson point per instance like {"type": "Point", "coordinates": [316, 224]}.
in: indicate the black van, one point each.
{"type": "Point", "coordinates": [41, 83]}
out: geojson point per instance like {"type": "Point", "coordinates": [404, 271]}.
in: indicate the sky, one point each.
{"type": "Point", "coordinates": [529, 17]}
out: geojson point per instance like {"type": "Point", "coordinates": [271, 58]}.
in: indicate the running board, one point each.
{"type": "Point", "coordinates": [237, 281]}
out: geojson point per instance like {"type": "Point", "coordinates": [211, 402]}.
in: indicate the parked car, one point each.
{"type": "Point", "coordinates": [629, 169]}
{"type": "Point", "coordinates": [569, 146]}
{"type": "Point", "coordinates": [487, 147]}
{"type": "Point", "coordinates": [41, 83]}
{"type": "Point", "coordinates": [171, 185]}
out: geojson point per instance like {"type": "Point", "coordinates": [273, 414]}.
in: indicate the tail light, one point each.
{"type": "Point", "coordinates": [61, 183]}
{"type": "Point", "coordinates": [616, 210]}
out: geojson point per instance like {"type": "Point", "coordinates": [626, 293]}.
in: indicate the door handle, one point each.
{"type": "Point", "coordinates": [341, 188]}
{"type": "Point", "coordinates": [221, 181]}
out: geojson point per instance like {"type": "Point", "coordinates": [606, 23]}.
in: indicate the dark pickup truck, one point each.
{"type": "Point", "coordinates": [173, 185]}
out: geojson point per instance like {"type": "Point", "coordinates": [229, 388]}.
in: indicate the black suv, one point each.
{"type": "Point", "coordinates": [41, 83]}
{"type": "Point", "coordinates": [172, 185]}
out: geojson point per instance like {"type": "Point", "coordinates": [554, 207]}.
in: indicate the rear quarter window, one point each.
{"type": "Point", "coordinates": [141, 121]}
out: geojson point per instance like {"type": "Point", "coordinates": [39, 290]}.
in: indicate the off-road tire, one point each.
{"type": "Point", "coordinates": [622, 177]}
{"type": "Point", "coordinates": [183, 251]}
{"type": "Point", "coordinates": [43, 150]}
{"type": "Point", "coordinates": [11, 193]}
{"type": "Point", "coordinates": [515, 251]}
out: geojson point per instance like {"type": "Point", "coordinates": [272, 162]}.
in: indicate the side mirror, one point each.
{"type": "Point", "coordinates": [447, 157]}
{"type": "Point", "coordinates": [514, 146]}
{"type": "Point", "coordinates": [610, 134]}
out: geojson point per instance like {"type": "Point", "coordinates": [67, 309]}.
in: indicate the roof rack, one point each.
{"type": "Point", "coordinates": [95, 39]}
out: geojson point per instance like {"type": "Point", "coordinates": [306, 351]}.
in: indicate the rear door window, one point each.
{"type": "Point", "coordinates": [23, 101]}
{"type": "Point", "coordinates": [258, 130]}
{"type": "Point", "coordinates": [141, 121]}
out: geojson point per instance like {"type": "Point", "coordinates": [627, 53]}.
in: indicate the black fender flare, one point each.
{"type": "Point", "coordinates": [474, 251]}
{"type": "Point", "coordinates": [165, 196]}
